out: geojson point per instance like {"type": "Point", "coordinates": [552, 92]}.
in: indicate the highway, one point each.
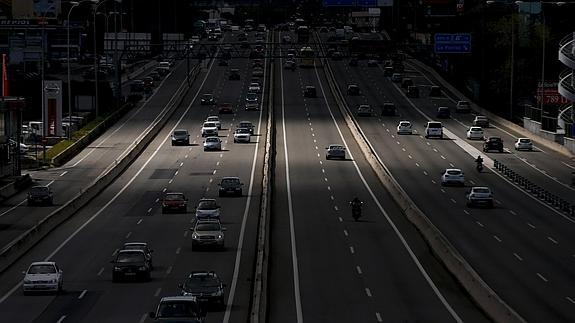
{"type": "Point", "coordinates": [324, 266]}
{"type": "Point", "coordinates": [129, 210]}
{"type": "Point", "coordinates": [521, 248]}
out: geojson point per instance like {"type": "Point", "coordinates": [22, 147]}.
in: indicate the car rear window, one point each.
{"type": "Point", "coordinates": [174, 197]}
{"type": "Point", "coordinates": [207, 205]}
{"type": "Point", "coordinates": [130, 257]}
{"type": "Point", "coordinates": [434, 125]}
{"type": "Point", "coordinates": [180, 133]}
{"type": "Point", "coordinates": [524, 140]}
{"type": "Point", "coordinates": [481, 190]}
{"type": "Point", "coordinates": [207, 227]}
{"type": "Point", "coordinates": [42, 269]}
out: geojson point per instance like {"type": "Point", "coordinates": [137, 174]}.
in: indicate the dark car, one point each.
{"type": "Point", "coordinates": [140, 246]}
{"type": "Point", "coordinates": [309, 92]}
{"type": "Point", "coordinates": [130, 263]}
{"type": "Point", "coordinates": [40, 195]}
{"type": "Point", "coordinates": [178, 309]}
{"type": "Point", "coordinates": [225, 108]}
{"type": "Point", "coordinates": [443, 113]}
{"type": "Point", "coordinates": [352, 89]}
{"type": "Point", "coordinates": [155, 75]}
{"type": "Point", "coordinates": [234, 74]}
{"type": "Point", "coordinates": [230, 185]}
{"type": "Point", "coordinates": [137, 86]}
{"type": "Point", "coordinates": [412, 91]}
{"type": "Point", "coordinates": [205, 286]}
{"type": "Point", "coordinates": [223, 62]}
{"type": "Point", "coordinates": [493, 143]}
{"type": "Point", "coordinates": [388, 71]}
{"type": "Point", "coordinates": [207, 99]}
{"type": "Point", "coordinates": [406, 82]}
{"type": "Point", "coordinates": [435, 91]}
{"type": "Point", "coordinates": [174, 202]}
{"type": "Point", "coordinates": [180, 137]}
{"type": "Point", "coordinates": [388, 109]}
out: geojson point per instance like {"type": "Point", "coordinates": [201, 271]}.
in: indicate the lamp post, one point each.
{"type": "Point", "coordinates": [42, 63]}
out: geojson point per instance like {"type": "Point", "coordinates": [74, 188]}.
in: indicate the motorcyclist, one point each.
{"type": "Point", "coordinates": [479, 162]}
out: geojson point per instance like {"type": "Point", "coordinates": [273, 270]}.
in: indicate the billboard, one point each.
{"type": "Point", "coordinates": [28, 9]}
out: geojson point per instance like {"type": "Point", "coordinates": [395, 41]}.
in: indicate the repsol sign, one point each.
{"type": "Point", "coordinates": [17, 22]}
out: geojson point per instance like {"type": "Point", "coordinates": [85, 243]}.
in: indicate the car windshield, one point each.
{"type": "Point", "coordinates": [39, 190]}
{"type": "Point", "coordinates": [207, 227]}
{"type": "Point", "coordinates": [207, 96]}
{"type": "Point", "coordinates": [127, 257]}
{"type": "Point", "coordinates": [180, 133]}
{"type": "Point", "coordinates": [174, 197]}
{"type": "Point", "coordinates": [245, 124]}
{"type": "Point", "coordinates": [135, 247]}
{"type": "Point", "coordinates": [213, 119]}
{"type": "Point", "coordinates": [212, 140]}
{"type": "Point", "coordinates": [207, 205]}
{"type": "Point", "coordinates": [202, 281]}
{"type": "Point", "coordinates": [178, 309]}
{"type": "Point", "coordinates": [209, 125]}
{"type": "Point", "coordinates": [251, 96]}
{"type": "Point", "coordinates": [42, 269]}
{"type": "Point", "coordinates": [242, 130]}
{"type": "Point", "coordinates": [480, 190]}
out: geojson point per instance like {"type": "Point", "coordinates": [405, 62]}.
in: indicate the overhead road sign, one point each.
{"type": "Point", "coordinates": [452, 43]}
{"type": "Point", "coordinates": [356, 3]}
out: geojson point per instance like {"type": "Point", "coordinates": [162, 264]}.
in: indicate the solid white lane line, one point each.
{"type": "Point", "coordinates": [480, 224]}
{"type": "Point", "coordinates": [143, 318]}
{"type": "Point", "coordinates": [553, 240]}
{"type": "Point", "coordinates": [100, 271]}
{"type": "Point", "coordinates": [570, 300]}
{"type": "Point", "coordinates": [351, 250]}
{"type": "Point", "coordinates": [139, 221]}
{"type": "Point", "coordinates": [82, 294]}
{"type": "Point", "coordinates": [518, 257]}
{"type": "Point", "coordinates": [386, 215]}
{"type": "Point", "coordinates": [542, 277]}
{"type": "Point", "coordinates": [497, 238]}
{"type": "Point", "coordinates": [358, 270]}
{"type": "Point", "coordinates": [378, 317]}
{"type": "Point", "coordinates": [64, 173]}
{"type": "Point", "coordinates": [531, 225]}
{"type": "Point", "coordinates": [158, 291]}
{"type": "Point", "coordinates": [368, 292]}
{"type": "Point", "coordinates": [61, 319]}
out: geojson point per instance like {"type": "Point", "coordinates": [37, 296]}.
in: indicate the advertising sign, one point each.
{"type": "Point", "coordinates": [53, 108]}
{"type": "Point", "coordinates": [549, 93]}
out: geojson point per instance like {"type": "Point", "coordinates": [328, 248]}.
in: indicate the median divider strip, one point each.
{"type": "Point", "coordinates": [259, 289]}
{"type": "Point", "coordinates": [486, 298]}
{"type": "Point", "coordinates": [28, 239]}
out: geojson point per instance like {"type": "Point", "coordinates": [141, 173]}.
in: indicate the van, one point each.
{"type": "Point", "coordinates": [434, 129]}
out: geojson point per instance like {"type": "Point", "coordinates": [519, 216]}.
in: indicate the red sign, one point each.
{"type": "Point", "coordinates": [550, 94]}
{"type": "Point", "coordinates": [52, 109]}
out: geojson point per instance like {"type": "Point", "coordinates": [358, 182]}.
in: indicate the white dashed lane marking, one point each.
{"type": "Point", "coordinates": [542, 277]}
{"type": "Point", "coordinates": [518, 257]}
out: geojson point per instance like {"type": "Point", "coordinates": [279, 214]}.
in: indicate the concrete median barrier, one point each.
{"type": "Point", "coordinates": [486, 298]}
{"type": "Point", "coordinates": [28, 239]}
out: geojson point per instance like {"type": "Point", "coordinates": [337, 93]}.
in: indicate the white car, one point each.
{"type": "Point", "coordinates": [404, 128]}
{"type": "Point", "coordinates": [475, 133]}
{"type": "Point", "coordinates": [463, 107]}
{"type": "Point", "coordinates": [255, 88]}
{"type": "Point", "coordinates": [195, 39]}
{"type": "Point", "coordinates": [481, 121]}
{"type": "Point", "coordinates": [43, 276]}
{"type": "Point", "coordinates": [216, 120]}
{"type": "Point", "coordinates": [212, 143]}
{"type": "Point", "coordinates": [209, 129]}
{"type": "Point", "coordinates": [242, 135]}
{"type": "Point", "coordinates": [523, 144]}
{"type": "Point", "coordinates": [479, 195]}
{"type": "Point", "coordinates": [207, 209]}
{"type": "Point", "coordinates": [453, 176]}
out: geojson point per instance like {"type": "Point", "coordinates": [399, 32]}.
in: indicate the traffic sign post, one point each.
{"type": "Point", "coordinates": [452, 43]}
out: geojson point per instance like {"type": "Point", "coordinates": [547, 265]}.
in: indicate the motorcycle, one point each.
{"type": "Point", "coordinates": [479, 167]}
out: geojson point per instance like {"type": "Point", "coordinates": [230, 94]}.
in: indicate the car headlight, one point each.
{"type": "Point", "coordinates": [117, 268]}
{"type": "Point", "coordinates": [220, 236]}
{"type": "Point", "coordinates": [142, 268]}
{"type": "Point", "coordinates": [194, 236]}
{"type": "Point", "coordinates": [218, 293]}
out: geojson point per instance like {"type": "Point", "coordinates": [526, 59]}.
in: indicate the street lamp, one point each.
{"type": "Point", "coordinates": [74, 5]}
{"type": "Point", "coordinates": [42, 68]}
{"type": "Point", "coordinates": [96, 70]}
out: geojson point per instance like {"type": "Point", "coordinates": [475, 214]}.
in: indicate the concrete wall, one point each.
{"type": "Point", "coordinates": [531, 126]}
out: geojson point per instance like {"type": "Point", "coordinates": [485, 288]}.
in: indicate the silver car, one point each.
{"type": "Point", "coordinates": [479, 195]}
{"type": "Point", "coordinates": [43, 276]}
{"type": "Point", "coordinates": [208, 233]}
{"type": "Point", "coordinates": [212, 143]}
{"type": "Point", "coordinates": [207, 209]}
{"type": "Point", "coordinates": [453, 176]}
{"type": "Point", "coordinates": [335, 151]}
{"type": "Point", "coordinates": [242, 135]}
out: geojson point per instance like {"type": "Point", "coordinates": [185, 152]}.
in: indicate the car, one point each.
{"type": "Point", "coordinates": [207, 209]}
{"type": "Point", "coordinates": [388, 109]}
{"type": "Point", "coordinates": [205, 286]}
{"type": "Point", "coordinates": [443, 113]}
{"type": "Point", "coordinates": [137, 86]}
{"type": "Point", "coordinates": [225, 108]}
{"type": "Point", "coordinates": [252, 106]}
{"type": "Point", "coordinates": [23, 147]}
{"type": "Point", "coordinates": [162, 70]}
{"type": "Point", "coordinates": [309, 92]}
{"type": "Point", "coordinates": [523, 144]}
{"type": "Point", "coordinates": [178, 309]}
{"type": "Point", "coordinates": [258, 71]}
{"type": "Point", "coordinates": [248, 125]}
{"type": "Point", "coordinates": [364, 110]}
{"type": "Point", "coordinates": [223, 62]}
{"type": "Point", "coordinates": [234, 74]}
{"type": "Point", "coordinates": [230, 186]}
{"type": "Point", "coordinates": [213, 37]}
{"type": "Point", "coordinates": [131, 263]}
{"type": "Point", "coordinates": [208, 232]}
{"type": "Point", "coordinates": [353, 89]}
{"type": "Point", "coordinates": [155, 75]}
{"type": "Point", "coordinates": [195, 39]}
{"type": "Point", "coordinates": [40, 195]}
{"type": "Point", "coordinates": [242, 36]}
{"type": "Point", "coordinates": [180, 137]}
{"type": "Point", "coordinates": [252, 98]}
{"type": "Point", "coordinates": [242, 135]}
{"type": "Point", "coordinates": [404, 128]}
{"type": "Point", "coordinates": [406, 82]}
{"type": "Point", "coordinates": [212, 143]}
{"type": "Point", "coordinates": [453, 176]}
{"type": "Point", "coordinates": [140, 246]}
{"type": "Point", "coordinates": [209, 129]}
{"type": "Point", "coordinates": [412, 91]}
{"type": "Point", "coordinates": [493, 143]}
{"type": "Point", "coordinates": [388, 71]}
{"type": "Point", "coordinates": [463, 107]}
{"type": "Point", "coordinates": [216, 120]}
{"type": "Point", "coordinates": [396, 77]}
{"type": "Point", "coordinates": [254, 88]}
{"type": "Point", "coordinates": [290, 64]}
{"type": "Point", "coordinates": [353, 62]}
{"type": "Point", "coordinates": [43, 276]}
{"type": "Point", "coordinates": [481, 121]}
{"type": "Point", "coordinates": [337, 55]}
{"type": "Point", "coordinates": [335, 151]}
{"type": "Point", "coordinates": [174, 202]}
{"type": "Point", "coordinates": [475, 133]}
{"type": "Point", "coordinates": [434, 90]}
{"type": "Point", "coordinates": [257, 63]}
{"type": "Point", "coordinates": [479, 195]}
{"type": "Point", "coordinates": [286, 39]}
{"type": "Point", "coordinates": [372, 63]}
{"type": "Point", "coordinates": [207, 99]}
{"type": "Point", "coordinates": [433, 129]}
{"type": "Point", "coordinates": [148, 81]}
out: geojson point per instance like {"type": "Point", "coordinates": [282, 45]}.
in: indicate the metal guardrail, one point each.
{"type": "Point", "coordinates": [536, 190]}
{"type": "Point", "coordinates": [567, 51]}
{"type": "Point", "coordinates": [567, 83]}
